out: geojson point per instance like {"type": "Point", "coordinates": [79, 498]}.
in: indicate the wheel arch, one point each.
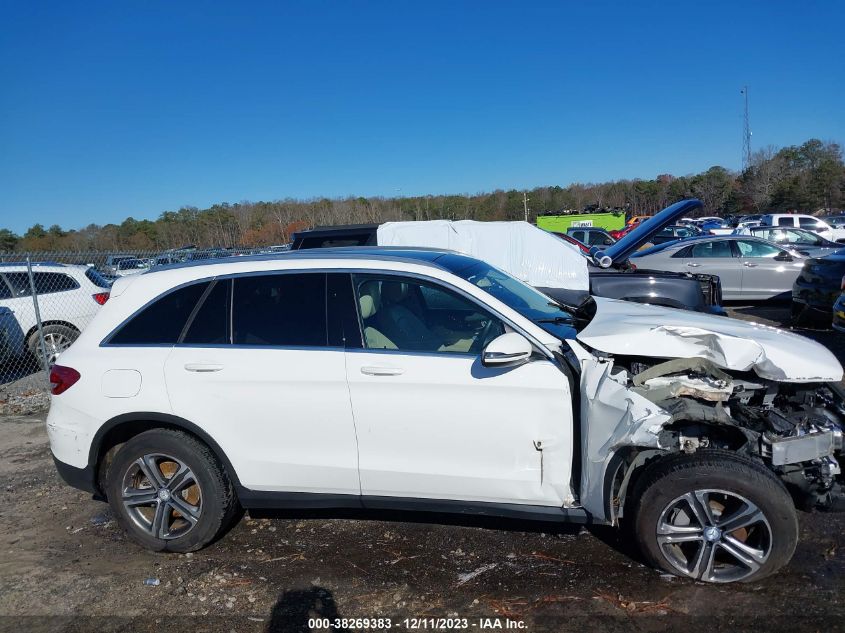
{"type": "Point", "coordinates": [121, 428]}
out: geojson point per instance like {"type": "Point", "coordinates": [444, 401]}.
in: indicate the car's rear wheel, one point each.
{"type": "Point", "coordinates": [169, 492]}
{"type": "Point", "coordinates": [57, 338]}
{"type": "Point", "coordinates": [714, 516]}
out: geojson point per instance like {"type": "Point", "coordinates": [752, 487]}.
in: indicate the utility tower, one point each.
{"type": "Point", "coordinates": [746, 134]}
{"type": "Point", "coordinates": [525, 204]}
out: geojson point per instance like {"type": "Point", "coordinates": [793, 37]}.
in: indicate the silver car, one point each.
{"type": "Point", "coordinates": [804, 241]}
{"type": "Point", "coordinates": [750, 268]}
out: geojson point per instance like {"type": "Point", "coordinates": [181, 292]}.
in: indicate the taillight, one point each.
{"type": "Point", "coordinates": [101, 297]}
{"type": "Point", "coordinates": [842, 285]}
{"type": "Point", "coordinates": [62, 378]}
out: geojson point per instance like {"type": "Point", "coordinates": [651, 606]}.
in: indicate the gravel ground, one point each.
{"type": "Point", "coordinates": [65, 565]}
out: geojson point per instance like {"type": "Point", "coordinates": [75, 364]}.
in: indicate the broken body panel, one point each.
{"type": "Point", "coordinates": [745, 387]}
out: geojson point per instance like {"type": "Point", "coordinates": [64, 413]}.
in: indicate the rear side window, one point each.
{"type": "Point", "coordinates": [5, 293]}
{"type": "Point", "coordinates": [162, 321]}
{"type": "Point", "coordinates": [45, 283]}
{"type": "Point", "coordinates": [210, 323]}
{"type": "Point", "coordinates": [712, 249]}
{"type": "Point", "coordinates": [280, 310]}
{"type": "Point", "coordinates": [786, 221]}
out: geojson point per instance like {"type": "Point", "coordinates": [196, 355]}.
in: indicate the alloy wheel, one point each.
{"type": "Point", "coordinates": [714, 535]}
{"type": "Point", "coordinates": [162, 496]}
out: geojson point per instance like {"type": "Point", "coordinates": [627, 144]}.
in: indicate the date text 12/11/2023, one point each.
{"type": "Point", "coordinates": [430, 624]}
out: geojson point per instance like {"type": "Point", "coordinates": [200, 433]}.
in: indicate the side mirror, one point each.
{"type": "Point", "coordinates": [508, 350]}
{"type": "Point", "coordinates": [783, 257]}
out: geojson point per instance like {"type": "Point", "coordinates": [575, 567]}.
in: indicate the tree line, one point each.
{"type": "Point", "coordinates": [807, 178]}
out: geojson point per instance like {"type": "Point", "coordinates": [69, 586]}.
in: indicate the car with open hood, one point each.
{"type": "Point", "coordinates": [542, 259]}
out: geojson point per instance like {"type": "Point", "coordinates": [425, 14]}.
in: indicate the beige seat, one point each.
{"type": "Point", "coordinates": [369, 302]}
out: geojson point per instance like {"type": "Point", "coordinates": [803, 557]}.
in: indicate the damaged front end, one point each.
{"type": "Point", "coordinates": [636, 409]}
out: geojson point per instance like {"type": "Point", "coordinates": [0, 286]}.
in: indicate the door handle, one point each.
{"type": "Point", "coordinates": [203, 367]}
{"type": "Point", "coordinates": [693, 265]}
{"type": "Point", "coordinates": [749, 264]}
{"type": "Point", "coordinates": [382, 371]}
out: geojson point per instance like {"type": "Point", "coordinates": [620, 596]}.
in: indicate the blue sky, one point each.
{"type": "Point", "coordinates": [131, 108]}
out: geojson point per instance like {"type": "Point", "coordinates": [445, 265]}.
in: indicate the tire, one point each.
{"type": "Point", "coordinates": [57, 339]}
{"type": "Point", "coordinates": [194, 482]}
{"type": "Point", "coordinates": [683, 505]}
{"type": "Point", "coordinates": [796, 314]}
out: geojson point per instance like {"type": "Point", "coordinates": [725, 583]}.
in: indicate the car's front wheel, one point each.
{"type": "Point", "coordinates": [169, 492]}
{"type": "Point", "coordinates": [714, 516]}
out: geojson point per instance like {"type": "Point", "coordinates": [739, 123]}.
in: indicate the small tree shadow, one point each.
{"type": "Point", "coordinates": [294, 608]}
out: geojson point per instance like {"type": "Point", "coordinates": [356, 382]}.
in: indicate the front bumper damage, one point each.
{"type": "Point", "coordinates": [633, 411]}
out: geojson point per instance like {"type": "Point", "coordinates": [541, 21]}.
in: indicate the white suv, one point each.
{"type": "Point", "coordinates": [808, 222]}
{"type": "Point", "coordinates": [68, 298]}
{"type": "Point", "coordinates": [428, 380]}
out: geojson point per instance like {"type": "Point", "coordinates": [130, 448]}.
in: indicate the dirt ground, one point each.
{"type": "Point", "coordinates": [66, 566]}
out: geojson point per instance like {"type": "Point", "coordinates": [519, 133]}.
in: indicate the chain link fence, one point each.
{"type": "Point", "coordinates": [48, 298]}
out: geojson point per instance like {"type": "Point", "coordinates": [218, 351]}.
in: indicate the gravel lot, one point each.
{"type": "Point", "coordinates": [65, 565]}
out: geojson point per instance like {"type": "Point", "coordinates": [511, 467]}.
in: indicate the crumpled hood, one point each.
{"type": "Point", "coordinates": [624, 327]}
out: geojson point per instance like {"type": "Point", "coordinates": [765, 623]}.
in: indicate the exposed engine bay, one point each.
{"type": "Point", "coordinates": [795, 429]}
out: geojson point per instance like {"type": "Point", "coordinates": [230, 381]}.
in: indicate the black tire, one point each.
{"type": "Point", "coordinates": [214, 503]}
{"type": "Point", "coordinates": [662, 511]}
{"type": "Point", "coordinates": [62, 337]}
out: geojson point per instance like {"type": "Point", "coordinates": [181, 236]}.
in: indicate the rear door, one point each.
{"type": "Point", "coordinates": [256, 370]}
{"type": "Point", "coordinates": [715, 257]}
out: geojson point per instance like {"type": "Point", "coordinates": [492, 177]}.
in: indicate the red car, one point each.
{"type": "Point", "coordinates": [567, 238]}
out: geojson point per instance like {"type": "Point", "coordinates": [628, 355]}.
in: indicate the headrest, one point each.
{"type": "Point", "coordinates": [369, 299]}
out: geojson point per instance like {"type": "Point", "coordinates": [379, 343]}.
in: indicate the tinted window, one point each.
{"type": "Point", "coordinates": [162, 321]}
{"type": "Point", "coordinates": [287, 309]}
{"type": "Point", "coordinates": [5, 293]}
{"type": "Point", "coordinates": [344, 239]}
{"type": "Point", "coordinates": [785, 221]}
{"type": "Point", "coordinates": [210, 324]}
{"type": "Point", "coordinates": [415, 316]}
{"type": "Point", "coordinates": [757, 249]}
{"type": "Point", "coordinates": [96, 278]}
{"type": "Point", "coordinates": [45, 283]}
{"type": "Point", "coordinates": [722, 248]}
{"type": "Point", "coordinates": [809, 223]}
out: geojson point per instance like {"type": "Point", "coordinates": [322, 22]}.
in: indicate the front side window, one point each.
{"type": "Point", "coordinates": [162, 321]}
{"type": "Point", "coordinates": [721, 248]}
{"type": "Point", "coordinates": [280, 310]}
{"type": "Point", "coordinates": [405, 314]}
{"type": "Point", "coordinates": [757, 249]}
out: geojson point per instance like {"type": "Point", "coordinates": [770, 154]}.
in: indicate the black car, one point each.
{"type": "Point", "coordinates": [839, 314]}
{"type": "Point", "coordinates": [817, 288]}
{"type": "Point", "coordinates": [610, 274]}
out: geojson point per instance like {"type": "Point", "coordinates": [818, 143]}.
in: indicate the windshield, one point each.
{"type": "Point", "coordinates": [530, 303]}
{"type": "Point", "coordinates": [96, 278]}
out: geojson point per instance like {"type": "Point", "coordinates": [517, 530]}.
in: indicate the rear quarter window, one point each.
{"type": "Point", "coordinates": [162, 321]}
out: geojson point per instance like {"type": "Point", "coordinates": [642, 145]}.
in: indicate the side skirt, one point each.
{"type": "Point", "coordinates": [263, 500]}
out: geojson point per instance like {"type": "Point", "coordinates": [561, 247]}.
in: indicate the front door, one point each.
{"type": "Point", "coordinates": [432, 421]}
